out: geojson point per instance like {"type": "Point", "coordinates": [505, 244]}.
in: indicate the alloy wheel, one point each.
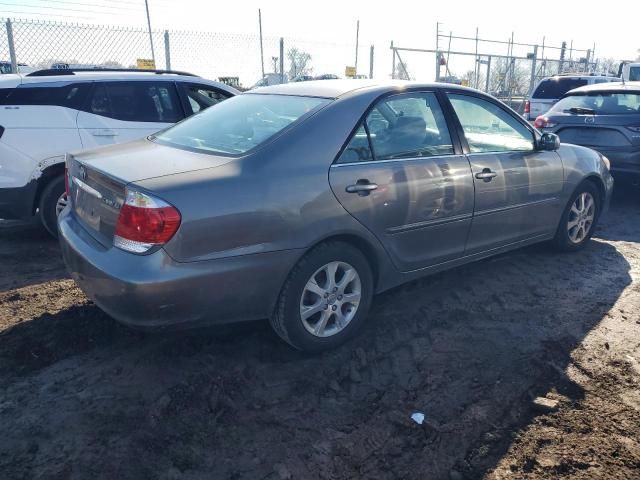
{"type": "Point", "coordinates": [581, 217]}
{"type": "Point", "coordinates": [330, 299]}
{"type": "Point", "coordinates": [61, 203]}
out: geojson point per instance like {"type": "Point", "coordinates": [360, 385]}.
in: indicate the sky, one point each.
{"type": "Point", "coordinates": [331, 22]}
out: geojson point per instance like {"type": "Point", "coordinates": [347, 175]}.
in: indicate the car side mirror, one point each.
{"type": "Point", "coordinates": [548, 141]}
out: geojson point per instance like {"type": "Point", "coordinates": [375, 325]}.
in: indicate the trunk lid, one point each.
{"type": "Point", "coordinates": [596, 130]}
{"type": "Point", "coordinates": [98, 179]}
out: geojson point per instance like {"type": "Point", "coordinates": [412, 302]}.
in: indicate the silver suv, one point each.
{"type": "Point", "coordinates": [549, 90]}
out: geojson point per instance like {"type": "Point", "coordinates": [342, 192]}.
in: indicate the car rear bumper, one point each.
{"type": "Point", "coordinates": [155, 291]}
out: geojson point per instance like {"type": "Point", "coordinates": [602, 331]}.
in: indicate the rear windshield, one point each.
{"type": "Point", "coordinates": [552, 88]}
{"type": "Point", "coordinates": [237, 125]}
{"type": "Point", "coordinates": [600, 104]}
{"type": "Point", "coordinates": [634, 74]}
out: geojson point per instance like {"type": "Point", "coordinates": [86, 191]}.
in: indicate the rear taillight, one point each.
{"type": "Point", "coordinates": [67, 164]}
{"type": "Point", "coordinates": [145, 222]}
{"type": "Point", "coordinates": [543, 122]}
{"type": "Point", "coordinates": [527, 106]}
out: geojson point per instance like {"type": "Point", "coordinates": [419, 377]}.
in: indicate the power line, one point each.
{"type": "Point", "coordinates": [93, 5]}
{"type": "Point", "coordinates": [60, 9]}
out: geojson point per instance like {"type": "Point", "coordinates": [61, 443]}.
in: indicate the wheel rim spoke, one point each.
{"type": "Point", "coordinates": [353, 298]}
{"type": "Point", "coordinates": [312, 310]}
{"type": "Point", "coordinates": [322, 323]}
{"type": "Point", "coordinates": [313, 287]}
{"type": "Point", "coordinates": [349, 276]}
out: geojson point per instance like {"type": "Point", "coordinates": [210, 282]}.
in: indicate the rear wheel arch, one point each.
{"type": "Point", "coordinates": [48, 174]}
{"type": "Point", "coordinates": [358, 242]}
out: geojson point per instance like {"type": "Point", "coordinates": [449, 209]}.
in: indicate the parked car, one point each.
{"type": "Point", "coordinates": [45, 114]}
{"type": "Point", "coordinates": [549, 90]}
{"type": "Point", "coordinates": [270, 79]}
{"type": "Point", "coordinates": [629, 71]}
{"type": "Point", "coordinates": [604, 117]}
{"type": "Point", "coordinates": [327, 76]}
{"type": "Point", "coordinates": [302, 78]}
{"type": "Point", "coordinates": [5, 68]}
{"type": "Point", "coordinates": [298, 202]}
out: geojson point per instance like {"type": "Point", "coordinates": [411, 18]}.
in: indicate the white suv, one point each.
{"type": "Point", "coordinates": [549, 90]}
{"type": "Point", "coordinates": [48, 113]}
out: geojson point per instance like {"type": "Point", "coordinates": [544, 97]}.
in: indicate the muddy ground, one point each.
{"type": "Point", "coordinates": [84, 398]}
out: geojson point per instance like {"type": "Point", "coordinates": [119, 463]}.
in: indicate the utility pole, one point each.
{"type": "Point", "coordinates": [261, 50]}
{"type": "Point", "coordinates": [437, 52]}
{"type": "Point", "coordinates": [153, 53]}
{"type": "Point", "coordinates": [357, 39]}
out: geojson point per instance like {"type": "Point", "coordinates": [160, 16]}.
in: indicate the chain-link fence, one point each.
{"type": "Point", "coordinates": [43, 44]}
{"type": "Point", "coordinates": [506, 69]}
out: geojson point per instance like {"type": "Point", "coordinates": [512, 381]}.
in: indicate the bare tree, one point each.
{"type": "Point", "coordinates": [608, 65]}
{"type": "Point", "coordinates": [299, 62]}
{"type": "Point", "coordinates": [402, 70]}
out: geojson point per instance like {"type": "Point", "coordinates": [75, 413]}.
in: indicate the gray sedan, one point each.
{"type": "Point", "coordinates": [605, 117]}
{"type": "Point", "coordinates": [299, 202]}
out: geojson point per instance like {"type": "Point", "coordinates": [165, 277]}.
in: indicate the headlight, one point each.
{"type": "Point", "coordinates": [606, 162]}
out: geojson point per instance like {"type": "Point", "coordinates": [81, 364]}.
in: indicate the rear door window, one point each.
{"type": "Point", "coordinates": [136, 101]}
{"type": "Point", "coordinates": [68, 95]}
{"type": "Point", "coordinates": [410, 125]}
{"type": "Point", "coordinates": [552, 88]}
{"type": "Point", "coordinates": [200, 96]}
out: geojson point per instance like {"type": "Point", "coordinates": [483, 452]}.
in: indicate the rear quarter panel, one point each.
{"type": "Point", "coordinates": [35, 137]}
{"type": "Point", "coordinates": [275, 199]}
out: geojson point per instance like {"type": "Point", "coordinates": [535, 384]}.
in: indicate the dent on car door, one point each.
{"type": "Point", "coordinates": [117, 112]}
{"type": "Point", "coordinates": [401, 178]}
{"type": "Point", "coordinates": [518, 189]}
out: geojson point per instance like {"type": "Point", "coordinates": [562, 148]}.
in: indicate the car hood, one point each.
{"type": "Point", "coordinates": [144, 159]}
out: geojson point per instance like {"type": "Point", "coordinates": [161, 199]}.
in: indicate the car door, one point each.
{"type": "Point", "coordinates": [199, 96]}
{"type": "Point", "coordinates": [517, 188]}
{"type": "Point", "coordinates": [401, 176]}
{"type": "Point", "coordinates": [121, 111]}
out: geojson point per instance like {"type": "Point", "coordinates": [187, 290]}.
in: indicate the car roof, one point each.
{"type": "Point", "coordinates": [13, 80]}
{"type": "Point", "coordinates": [607, 87]}
{"type": "Point", "coordinates": [339, 88]}
{"type": "Point", "coordinates": [579, 76]}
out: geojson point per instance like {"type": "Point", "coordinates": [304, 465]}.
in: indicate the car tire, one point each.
{"type": "Point", "coordinates": [579, 219]}
{"type": "Point", "coordinates": [51, 201]}
{"type": "Point", "coordinates": [342, 305]}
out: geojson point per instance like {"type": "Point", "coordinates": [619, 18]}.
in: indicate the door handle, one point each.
{"type": "Point", "coordinates": [486, 174]}
{"type": "Point", "coordinates": [104, 133]}
{"type": "Point", "coordinates": [362, 187]}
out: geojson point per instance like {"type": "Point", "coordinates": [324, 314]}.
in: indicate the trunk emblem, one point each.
{"type": "Point", "coordinates": [590, 120]}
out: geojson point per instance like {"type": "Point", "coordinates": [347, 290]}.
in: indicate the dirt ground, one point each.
{"type": "Point", "coordinates": [82, 397]}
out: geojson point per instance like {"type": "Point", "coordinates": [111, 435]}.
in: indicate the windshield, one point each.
{"type": "Point", "coordinates": [600, 103]}
{"type": "Point", "coordinates": [237, 125]}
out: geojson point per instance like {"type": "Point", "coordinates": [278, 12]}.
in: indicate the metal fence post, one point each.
{"type": "Point", "coordinates": [281, 60]}
{"type": "Point", "coordinates": [12, 47]}
{"type": "Point", "coordinates": [393, 65]}
{"type": "Point", "coordinates": [371, 62]}
{"type": "Point", "coordinates": [488, 79]}
{"type": "Point", "coordinates": [533, 69]}
{"type": "Point", "coordinates": [167, 50]}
